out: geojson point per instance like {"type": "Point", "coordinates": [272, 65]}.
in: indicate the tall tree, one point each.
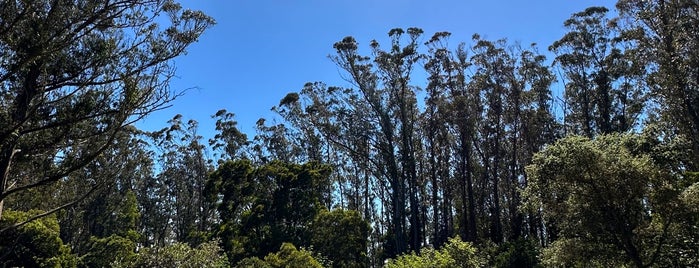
{"type": "Point", "coordinates": [602, 89]}
{"type": "Point", "coordinates": [113, 209]}
{"type": "Point", "coordinates": [261, 207]}
{"type": "Point", "coordinates": [510, 85]}
{"type": "Point", "coordinates": [229, 141]}
{"type": "Point", "coordinates": [341, 117]}
{"type": "Point", "coordinates": [384, 88]}
{"type": "Point", "coordinates": [666, 44]}
{"type": "Point", "coordinates": [448, 77]}
{"type": "Point", "coordinates": [491, 80]}
{"type": "Point", "coordinates": [441, 68]}
{"type": "Point", "coordinates": [537, 128]}
{"type": "Point", "coordinates": [373, 125]}
{"type": "Point", "coordinates": [184, 171]}
{"type": "Point", "coordinates": [73, 74]}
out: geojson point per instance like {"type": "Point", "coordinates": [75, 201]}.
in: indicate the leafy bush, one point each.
{"type": "Point", "coordinates": [455, 253]}
{"type": "Point", "coordinates": [207, 254]}
{"type": "Point", "coordinates": [290, 257]}
{"type": "Point", "coordinates": [108, 251]}
{"type": "Point", "coordinates": [252, 262]}
{"type": "Point", "coordinates": [35, 244]}
{"type": "Point", "coordinates": [347, 226]}
{"type": "Point", "coordinates": [518, 253]}
{"type": "Point", "coordinates": [287, 257]}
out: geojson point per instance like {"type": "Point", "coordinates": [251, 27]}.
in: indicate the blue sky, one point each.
{"type": "Point", "coordinates": [260, 50]}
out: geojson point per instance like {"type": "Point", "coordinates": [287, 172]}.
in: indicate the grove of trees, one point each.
{"type": "Point", "coordinates": [431, 156]}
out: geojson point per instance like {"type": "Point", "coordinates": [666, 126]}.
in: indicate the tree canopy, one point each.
{"type": "Point", "coordinates": [425, 144]}
{"type": "Point", "coordinates": [75, 74]}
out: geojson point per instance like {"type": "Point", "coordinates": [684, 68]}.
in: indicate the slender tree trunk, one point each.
{"type": "Point", "coordinates": [469, 230]}
{"type": "Point", "coordinates": [514, 200]}
{"type": "Point", "coordinates": [367, 205]}
{"type": "Point", "coordinates": [7, 153]}
{"type": "Point", "coordinates": [496, 225]}
{"type": "Point", "coordinates": [472, 228]}
{"type": "Point", "coordinates": [496, 235]}
{"type": "Point", "coordinates": [604, 103]}
{"type": "Point", "coordinates": [447, 226]}
{"type": "Point", "coordinates": [436, 239]}
{"type": "Point", "coordinates": [398, 197]}
{"type": "Point", "coordinates": [9, 139]}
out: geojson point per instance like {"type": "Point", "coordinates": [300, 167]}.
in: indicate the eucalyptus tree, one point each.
{"type": "Point", "coordinates": [74, 74]}
{"type": "Point", "coordinates": [113, 208]}
{"type": "Point", "coordinates": [275, 142]}
{"type": "Point", "coordinates": [536, 128]}
{"type": "Point", "coordinates": [395, 68]}
{"type": "Point", "coordinates": [340, 117]}
{"type": "Point", "coordinates": [437, 141]}
{"type": "Point", "coordinates": [312, 146]}
{"type": "Point", "coordinates": [491, 81]}
{"type": "Point", "coordinates": [372, 126]}
{"type": "Point", "coordinates": [229, 141]}
{"type": "Point", "coordinates": [384, 88]}
{"type": "Point", "coordinates": [666, 42]}
{"type": "Point", "coordinates": [336, 121]}
{"type": "Point", "coordinates": [496, 107]}
{"type": "Point", "coordinates": [184, 168]}
{"type": "Point", "coordinates": [516, 122]}
{"type": "Point", "coordinates": [603, 89]}
{"type": "Point", "coordinates": [451, 104]}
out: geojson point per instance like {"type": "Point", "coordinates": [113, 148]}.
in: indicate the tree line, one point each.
{"type": "Point", "coordinates": [479, 164]}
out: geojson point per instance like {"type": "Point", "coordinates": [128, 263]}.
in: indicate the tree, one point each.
{"type": "Point", "coordinates": [261, 207]}
{"type": "Point", "coordinates": [74, 74]}
{"type": "Point", "coordinates": [613, 199]}
{"type": "Point", "coordinates": [113, 208]}
{"type": "Point", "coordinates": [603, 91]}
{"type": "Point", "coordinates": [35, 244]}
{"type": "Point", "coordinates": [447, 97]}
{"type": "Point", "coordinates": [341, 236]}
{"type": "Point", "coordinates": [666, 41]}
{"type": "Point", "coordinates": [183, 178]}
{"type": "Point", "coordinates": [231, 190]}
{"type": "Point", "coordinates": [522, 252]}
{"type": "Point", "coordinates": [510, 119]}
{"type": "Point", "coordinates": [384, 101]}
{"type": "Point", "coordinates": [229, 140]}
{"type": "Point", "coordinates": [109, 251]}
{"type": "Point", "coordinates": [495, 109]}
{"type": "Point", "coordinates": [107, 187]}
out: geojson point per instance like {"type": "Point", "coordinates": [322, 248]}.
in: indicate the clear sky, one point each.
{"type": "Point", "coordinates": [260, 50]}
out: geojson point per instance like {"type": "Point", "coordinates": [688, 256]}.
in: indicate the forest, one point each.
{"type": "Point", "coordinates": [435, 156]}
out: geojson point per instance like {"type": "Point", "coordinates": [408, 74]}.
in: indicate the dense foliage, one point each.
{"type": "Point", "coordinates": [455, 253]}
{"type": "Point", "coordinates": [610, 202]}
{"type": "Point", "coordinates": [390, 171]}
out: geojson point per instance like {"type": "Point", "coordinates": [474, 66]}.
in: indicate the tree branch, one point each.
{"type": "Point", "coordinates": [49, 212]}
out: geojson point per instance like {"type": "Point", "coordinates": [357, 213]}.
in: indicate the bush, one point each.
{"type": "Point", "coordinates": [347, 226]}
{"type": "Point", "coordinates": [35, 244]}
{"type": "Point", "coordinates": [455, 253]}
{"type": "Point", "coordinates": [207, 254]}
{"type": "Point", "coordinates": [289, 257]}
{"type": "Point", "coordinates": [108, 251]}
